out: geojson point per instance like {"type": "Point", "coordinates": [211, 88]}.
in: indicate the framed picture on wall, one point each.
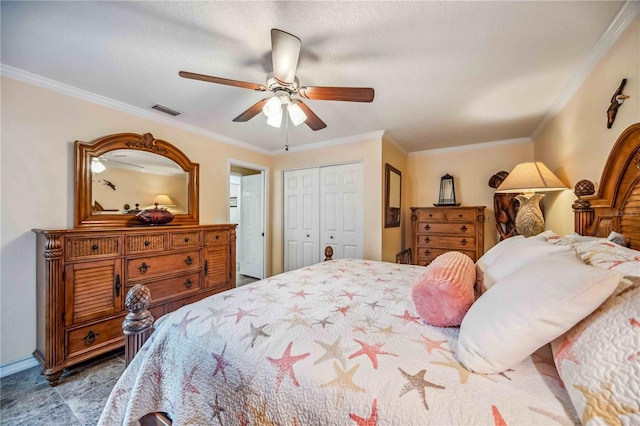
{"type": "Point", "coordinates": [392, 197]}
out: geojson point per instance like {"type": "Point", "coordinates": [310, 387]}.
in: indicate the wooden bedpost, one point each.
{"type": "Point", "coordinates": [328, 253]}
{"type": "Point", "coordinates": [583, 213]}
{"type": "Point", "coordinates": [137, 325]}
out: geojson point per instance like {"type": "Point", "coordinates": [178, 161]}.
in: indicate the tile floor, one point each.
{"type": "Point", "coordinates": [27, 399]}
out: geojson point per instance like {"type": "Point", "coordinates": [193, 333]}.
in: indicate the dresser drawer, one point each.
{"type": "Point", "coordinates": [462, 215]}
{"type": "Point", "coordinates": [446, 228]}
{"type": "Point", "coordinates": [451, 243]}
{"type": "Point", "coordinates": [179, 240]}
{"type": "Point", "coordinates": [153, 266]}
{"type": "Point", "coordinates": [169, 287]}
{"type": "Point", "coordinates": [216, 237]}
{"type": "Point", "coordinates": [177, 304]}
{"type": "Point", "coordinates": [145, 243]}
{"type": "Point", "coordinates": [92, 247]}
{"type": "Point", "coordinates": [93, 336]}
{"type": "Point", "coordinates": [427, 255]}
{"type": "Point", "coordinates": [430, 215]}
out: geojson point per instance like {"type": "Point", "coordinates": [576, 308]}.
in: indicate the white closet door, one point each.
{"type": "Point", "coordinates": [341, 219]}
{"type": "Point", "coordinates": [252, 206]}
{"type": "Point", "coordinates": [301, 218]}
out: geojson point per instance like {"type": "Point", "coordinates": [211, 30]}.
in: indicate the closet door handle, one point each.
{"type": "Point", "coordinates": [206, 268]}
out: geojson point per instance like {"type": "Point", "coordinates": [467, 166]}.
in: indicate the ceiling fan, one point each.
{"type": "Point", "coordinates": [284, 84]}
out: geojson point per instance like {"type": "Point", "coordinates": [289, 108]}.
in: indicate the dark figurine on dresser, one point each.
{"type": "Point", "coordinates": [505, 207]}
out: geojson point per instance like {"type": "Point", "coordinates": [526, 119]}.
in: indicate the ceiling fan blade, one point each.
{"type": "Point", "coordinates": [313, 121]}
{"type": "Point", "coordinates": [253, 110]}
{"type": "Point", "coordinates": [348, 94]}
{"type": "Point", "coordinates": [285, 50]}
{"type": "Point", "coordinates": [220, 80]}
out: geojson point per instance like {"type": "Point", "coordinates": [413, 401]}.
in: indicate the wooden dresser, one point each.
{"type": "Point", "coordinates": [83, 276]}
{"type": "Point", "coordinates": [437, 230]}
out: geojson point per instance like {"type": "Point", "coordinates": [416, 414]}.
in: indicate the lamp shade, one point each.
{"type": "Point", "coordinates": [164, 200]}
{"type": "Point", "coordinates": [531, 177]}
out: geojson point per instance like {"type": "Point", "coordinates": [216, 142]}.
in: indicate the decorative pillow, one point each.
{"type": "Point", "coordinates": [599, 359]}
{"type": "Point", "coordinates": [528, 309]}
{"type": "Point", "coordinates": [517, 255]}
{"type": "Point", "coordinates": [609, 255]}
{"type": "Point", "coordinates": [493, 253]}
{"type": "Point", "coordinates": [444, 292]}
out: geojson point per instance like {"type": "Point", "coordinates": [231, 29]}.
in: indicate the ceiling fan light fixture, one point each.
{"type": "Point", "coordinates": [296, 114]}
{"type": "Point", "coordinates": [275, 119]}
{"type": "Point", "coordinates": [273, 107]}
{"type": "Point", "coordinates": [97, 166]}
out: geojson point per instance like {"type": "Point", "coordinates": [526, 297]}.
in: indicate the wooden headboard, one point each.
{"type": "Point", "coordinates": [616, 205]}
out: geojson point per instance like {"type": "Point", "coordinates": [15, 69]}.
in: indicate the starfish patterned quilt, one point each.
{"type": "Point", "coordinates": [337, 343]}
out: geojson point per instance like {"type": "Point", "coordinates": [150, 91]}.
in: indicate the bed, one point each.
{"type": "Point", "coordinates": [340, 343]}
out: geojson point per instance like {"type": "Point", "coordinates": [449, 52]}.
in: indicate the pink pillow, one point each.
{"type": "Point", "coordinates": [444, 292]}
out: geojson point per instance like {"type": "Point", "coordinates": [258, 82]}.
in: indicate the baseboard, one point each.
{"type": "Point", "coordinates": [17, 366]}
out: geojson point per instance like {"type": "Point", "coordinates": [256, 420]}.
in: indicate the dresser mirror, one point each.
{"type": "Point", "coordinates": [119, 175]}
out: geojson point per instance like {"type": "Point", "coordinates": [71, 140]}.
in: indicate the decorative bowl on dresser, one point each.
{"type": "Point", "coordinates": [83, 274]}
{"type": "Point", "coordinates": [437, 230]}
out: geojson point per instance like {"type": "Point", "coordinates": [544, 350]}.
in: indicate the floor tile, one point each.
{"type": "Point", "coordinates": [79, 382]}
{"type": "Point", "coordinates": [40, 404]}
{"type": "Point", "coordinates": [21, 381]}
{"type": "Point", "coordinates": [88, 406]}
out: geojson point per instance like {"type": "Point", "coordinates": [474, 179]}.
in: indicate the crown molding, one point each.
{"type": "Point", "coordinates": [624, 17]}
{"type": "Point", "coordinates": [46, 83]}
{"type": "Point", "coordinates": [331, 142]}
{"type": "Point", "coordinates": [469, 147]}
{"type": "Point", "coordinates": [386, 136]}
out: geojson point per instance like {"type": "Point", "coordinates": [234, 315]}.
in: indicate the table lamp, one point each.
{"type": "Point", "coordinates": [529, 178]}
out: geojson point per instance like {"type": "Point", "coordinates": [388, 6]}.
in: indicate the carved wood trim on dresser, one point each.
{"type": "Point", "coordinates": [84, 274]}
{"type": "Point", "coordinates": [437, 230]}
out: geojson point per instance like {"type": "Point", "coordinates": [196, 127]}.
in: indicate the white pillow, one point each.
{"type": "Point", "coordinates": [492, 254]}
{"type": "Point", "coordinates": [528, 309]}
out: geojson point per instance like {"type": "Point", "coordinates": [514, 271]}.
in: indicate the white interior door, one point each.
{"type": "Point", "coordinates": [341, 219]}
{"type": "Point", "coordinates": [252, 207]}
{"type": "Point", "coordinates": [301, 218]}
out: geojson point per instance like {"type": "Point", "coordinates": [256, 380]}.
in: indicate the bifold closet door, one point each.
{"type": "Point", "coordinates": [341, 218]}
{"type": "Point", "coordinates": [301, 218]}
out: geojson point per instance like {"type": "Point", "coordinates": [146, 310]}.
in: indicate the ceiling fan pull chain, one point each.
{"type": "Point", "coordinates": [286, 132]}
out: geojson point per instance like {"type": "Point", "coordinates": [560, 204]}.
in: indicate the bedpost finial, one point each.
{"type": "Point", "coordinates": [328, 253]}
{"type": "Point", "coordinates": [138, 298]}
{"type": "Point", "coordinates": [584, 187]}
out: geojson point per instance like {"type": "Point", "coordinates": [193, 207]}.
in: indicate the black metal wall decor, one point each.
{"type": "Point", "coordinates": [447, 192]}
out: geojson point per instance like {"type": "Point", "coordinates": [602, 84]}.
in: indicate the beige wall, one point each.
{"type": "Point", "coordinates": [369, 152]}
{"type": "Point", "coordinates": [39, 127]}
{"type": "Point", "coordinates": [392, 241]}
{"type": "Point", "coordinates": [471, 168]}
{"type": "Point", "coordinates": [576, 143]}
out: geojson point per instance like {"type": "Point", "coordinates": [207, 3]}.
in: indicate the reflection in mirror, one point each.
{"type": "Point", "coordinates": [124, 180]}
{"type": "Point", "coordinates": [392, 199]}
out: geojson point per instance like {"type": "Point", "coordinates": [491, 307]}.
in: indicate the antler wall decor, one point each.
{"type": "Point", "coordinates": [616, 100]}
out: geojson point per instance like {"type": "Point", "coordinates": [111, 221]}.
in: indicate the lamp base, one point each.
{"type": "Point", "coordinates": [529, 220]}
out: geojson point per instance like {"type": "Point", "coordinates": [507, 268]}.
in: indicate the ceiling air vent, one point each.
{"type": "Point", "coordinates": [166, 110]}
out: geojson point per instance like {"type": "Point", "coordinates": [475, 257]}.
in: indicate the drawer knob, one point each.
{"type": "Point", "coordinates": [188, 283]}
{"type": "Point", "coordinates": [427, 252]}
{"type": "Point", "coordinates": [186, 240]}
{"type": "Point", "coordinates": [217, 236]}
{"type": "Point", "coordinates": [463, 228]}
{"type": "Point", "coordinates": [94, 247]}
{"type": "Point", "coordinates": [144, 268]}
{"type": "Point", "coordinates": [146, 243]}
{"type": "Point", "coordinates": [188, 260]}
{"type": "Point", "coordinates": [427, 227]}
{"type": "Point", "coordinates": [430, 215]}
{"type": "Point", "coordinates": [427, 240]}
{"type": "Point", "coordinates": [460, 215]}
{"type": "Point", "coordinates": [90, 338]}
{"type": "Point", "coordinates": [463, 242]}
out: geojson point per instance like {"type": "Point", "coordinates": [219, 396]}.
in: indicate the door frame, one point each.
{"type": "Point", "coordinates": [265, 205]}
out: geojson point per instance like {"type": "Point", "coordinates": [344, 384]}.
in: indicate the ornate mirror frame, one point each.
{"type": "Point", "coordinates": [85, 151]}
{"type": "Point", "coordinates": [392, 196]}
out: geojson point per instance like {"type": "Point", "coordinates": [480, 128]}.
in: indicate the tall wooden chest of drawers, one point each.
{"type": "Point", "coordinates": [83, 276]}
{"type": "Point", "coordinates": [437, 230]}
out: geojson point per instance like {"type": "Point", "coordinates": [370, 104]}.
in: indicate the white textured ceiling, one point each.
{"type": "Point", "coordinates": [444, 73]}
